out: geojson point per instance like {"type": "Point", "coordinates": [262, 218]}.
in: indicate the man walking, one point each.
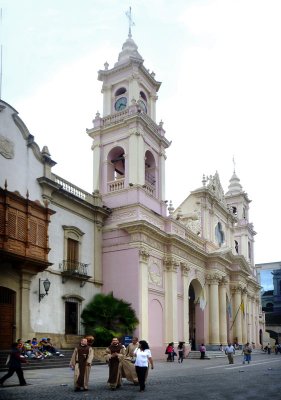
{"type": "Point", "coordinates": [14, 364]}
{"type": "Point", "coordinates": [230, 351]}
{"type": "Point", "coordinates": [81, 362]}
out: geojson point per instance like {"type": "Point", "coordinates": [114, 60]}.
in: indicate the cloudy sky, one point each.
{"type": "Point", "coordinates": [219, 62]}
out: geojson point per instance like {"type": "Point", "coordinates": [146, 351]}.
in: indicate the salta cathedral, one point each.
{"type": "Point", "coordinates": [187, 272]}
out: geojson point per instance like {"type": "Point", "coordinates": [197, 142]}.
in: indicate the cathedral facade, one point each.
{"type": "Point", "coordinates": [188, 273]}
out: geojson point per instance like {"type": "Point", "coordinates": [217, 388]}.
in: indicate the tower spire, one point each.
{"type": "Point", "coordinates": [131, 22]}
{"type": "Point", "coordinates": [233, 160]}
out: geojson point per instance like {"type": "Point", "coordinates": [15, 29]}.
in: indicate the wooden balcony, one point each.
{"type": "Point", "coordinates": [24, 231]}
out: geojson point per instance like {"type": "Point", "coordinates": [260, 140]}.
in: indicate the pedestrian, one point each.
{"type": "Point", "coordinates": [81, 362]}
{"type": "Point", "coordinates": [268, 348]}
{"type": "Point", "coordinates": [170, 351]}
{"type": "Point", "coordinates": [230, 351]}
{"type": "Point", "coordinates": [113, 353]}
{"type": "Point", "coordinates": [202, 350]}
{"type": "Point", "coordinates": [143, 359]}
{"type": "Point", "coordinates": [181, 352]}
{"type": "Point", "coordinates": [247, 350]}
{"type": "Point", "coordinates": [15, 359]}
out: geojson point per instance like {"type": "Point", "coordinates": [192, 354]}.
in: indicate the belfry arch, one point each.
{"type": "Point", "coordinates": [115, 169]}
{"type": "Point", "coordinates": [197, 303]}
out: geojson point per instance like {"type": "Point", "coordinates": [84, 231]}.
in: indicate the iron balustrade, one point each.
{"type": "Point", "coordinates": [74, 268]}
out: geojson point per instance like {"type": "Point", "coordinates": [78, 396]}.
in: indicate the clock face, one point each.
{"type": "Point", "coordinates": [121, 103]}
{"type": "Point", "coordinates": [142, 106]}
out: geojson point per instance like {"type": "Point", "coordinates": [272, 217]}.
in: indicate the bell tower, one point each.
{"type": "Point", "coordinates": [238, 202]}
{"type": "Point", "coordinates": [128, 145]}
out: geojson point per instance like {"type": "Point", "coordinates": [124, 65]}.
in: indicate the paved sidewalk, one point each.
{"type": "Point", "coordinates": [194, 379]}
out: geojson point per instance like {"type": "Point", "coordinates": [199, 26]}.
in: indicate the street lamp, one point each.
{"type": "Point", "coordinates": [46, 284]}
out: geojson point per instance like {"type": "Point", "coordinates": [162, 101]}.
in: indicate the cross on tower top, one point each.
{"type": "Point", "coordinates": [131, 22]}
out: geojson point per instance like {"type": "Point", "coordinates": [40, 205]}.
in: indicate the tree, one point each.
{"type": "Point", "coordinates": [106, 317]}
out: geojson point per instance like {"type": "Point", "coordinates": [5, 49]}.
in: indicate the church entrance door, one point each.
{"type": "Point", "coordinates": [7, 312]}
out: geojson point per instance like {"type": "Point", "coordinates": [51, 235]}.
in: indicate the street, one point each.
{"type": "Point", "coordinates": [211, 379]}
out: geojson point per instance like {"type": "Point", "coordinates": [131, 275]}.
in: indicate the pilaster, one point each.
{"type": "Point", "coordinates": [185, 271]}
{"type": "Point", "coordinates": [236, 317]}
{"type": "Point", "coordinates": [143, 261]}
{"type": "Point", "coordinates": [244, 316]}
{"type": "Point", "coordinates": [223, 311]}
{"type": "Point", "coordinates": [171, 306]}
{"type": "Point", "coordinates": [214, 325]}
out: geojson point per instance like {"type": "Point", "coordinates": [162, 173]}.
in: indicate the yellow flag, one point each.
{"type": "Point", "coordinates": [242, 306]}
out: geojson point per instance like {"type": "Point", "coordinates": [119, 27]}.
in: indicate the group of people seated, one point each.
{"type": "Point", "coordinates": [38, 349]}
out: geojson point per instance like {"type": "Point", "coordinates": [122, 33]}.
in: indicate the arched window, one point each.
{"type": "Point", "coordinates": [120, 91]}
{"type": "Point", "coordinates": [219, 234]}
{"type": "Point", "coordinates": [150, 172]}
{"type": "Point", "coordinates": [249, 251]}
{"type": "Point", "coordinates": [143, 96]}
{"type": "Point", "coordinates": [116, 169]}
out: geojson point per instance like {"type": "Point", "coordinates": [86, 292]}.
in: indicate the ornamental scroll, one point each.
{"type": "Point", "coordinates": [6, 148]}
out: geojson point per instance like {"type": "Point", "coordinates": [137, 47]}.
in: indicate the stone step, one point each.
{"type": "Point", "coordinates": [50, 362]}
{"type": "Point", "coordinates": [208, 355]}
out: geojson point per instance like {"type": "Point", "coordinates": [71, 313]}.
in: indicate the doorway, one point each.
{"type": "Point", "coordinates": [8, 313]}
{"type": "Point", "coordinates": [71, 317]}
{"type": "Point", "coordinates": [192, 325]}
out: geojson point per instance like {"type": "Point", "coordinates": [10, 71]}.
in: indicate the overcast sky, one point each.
{"type": "Point", "coordinates": [219, 62]}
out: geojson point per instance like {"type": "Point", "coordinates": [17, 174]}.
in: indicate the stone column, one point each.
{"type": "Point", "coordinates": [185, 271]}
{"type": "Point", "coordinates": [223, 311]}
{"type": "Point", "coordinates": [136, 163]}
{"type": "Point", "coordinates": [245, 337]}
{"type": "Point", "coordinates": [107, 99]}
{"type": "Point", "coordinates": [214, 328]}
{"type": "Point", "coordinates": [97, 250]}
{"type": "Point", "coordinates": [24, 309]}
{"type": "Point", "coordinates": [96, 166]}
{"type": "Point", "coordinates": [161, 186]}
{"type": "Point", "coordinates": [255, 317]}
{"type": "Point", "coordinates": [143, 317]}
{"type": "Point", "coordinates": [171, 309]}
{"type": "Point", "coordinates": [236, 317]}
{"type": "Point", "coordinates": [250, 319]}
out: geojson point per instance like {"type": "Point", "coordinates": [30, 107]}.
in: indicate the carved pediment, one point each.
{"type": "Point", "coordinates": [215, 187]}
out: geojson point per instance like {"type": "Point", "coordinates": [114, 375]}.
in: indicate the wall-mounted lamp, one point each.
{"type": "Point", "coordinates": [46, 284]}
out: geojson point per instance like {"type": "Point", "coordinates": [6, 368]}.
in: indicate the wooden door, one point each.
{"type": "Point", "coordinates": [7, 312]}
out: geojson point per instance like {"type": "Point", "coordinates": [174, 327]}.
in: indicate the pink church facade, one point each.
{"type": "Point", "coordinates": [190, 274]}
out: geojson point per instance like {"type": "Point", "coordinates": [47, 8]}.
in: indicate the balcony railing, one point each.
{"type": "Point", "coordinates": [118, 184]}
{"type": "Point", "coordinates": [74, 268]}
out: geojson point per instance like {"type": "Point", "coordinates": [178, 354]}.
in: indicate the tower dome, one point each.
{"type": "Point", "coordinates": [129, 51]}
{"type": "Point", "coordinates": [235, 186]}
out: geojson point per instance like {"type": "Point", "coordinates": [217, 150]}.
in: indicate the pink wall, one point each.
{"type": "Point", "coordinates": [121, 275]}
{"type": "Point", "coordinates": [156, 326]}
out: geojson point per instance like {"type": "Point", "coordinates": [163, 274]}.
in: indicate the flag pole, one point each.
{"type": "Point", "coordinates": [236, 315]}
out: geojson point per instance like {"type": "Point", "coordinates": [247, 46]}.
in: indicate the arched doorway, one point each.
{"type": "Point", "coordinates": [261, 337]}
{"type": "Point", "coordinates": [192, 325]}
{"type": "Point", "coordinates": [197, 305]}
{"type": "Point", "coordinates": [8, 314]}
